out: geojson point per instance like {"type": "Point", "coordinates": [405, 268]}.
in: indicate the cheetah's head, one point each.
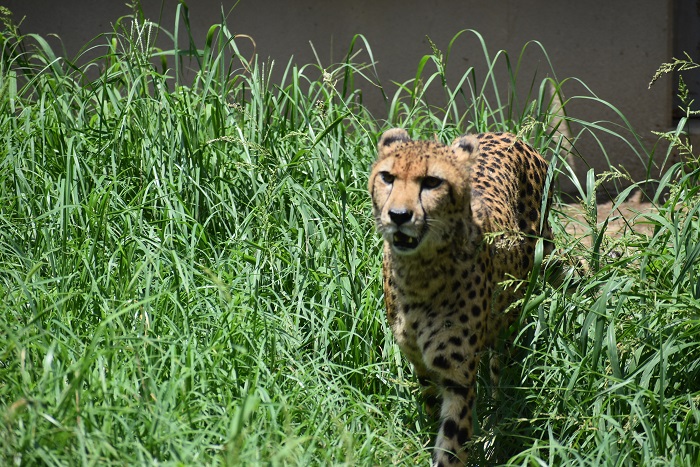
{"type": "Point", "coordinates": [420, 191]}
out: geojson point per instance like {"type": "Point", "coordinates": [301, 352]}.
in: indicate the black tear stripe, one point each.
{"type": "Point", "coordinates": [451, 194]}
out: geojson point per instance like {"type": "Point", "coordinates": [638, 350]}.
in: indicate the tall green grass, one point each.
{"type": "Point", "coordinates": [189, 272]}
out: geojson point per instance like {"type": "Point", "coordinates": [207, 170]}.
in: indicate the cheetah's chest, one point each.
{"type": "Point", "coordinates": [449, 308]}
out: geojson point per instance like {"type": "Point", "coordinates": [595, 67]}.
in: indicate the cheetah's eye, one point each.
{"type": "Point", "coordinates": [431, 182]}
{"type": "Point", "coordinates": [387, 177]}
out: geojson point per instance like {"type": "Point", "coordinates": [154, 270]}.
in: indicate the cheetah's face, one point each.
{"type": "Point", "coordinates": [419, 191]}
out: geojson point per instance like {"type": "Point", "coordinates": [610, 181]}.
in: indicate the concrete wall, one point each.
{"type": "Point", "coordinates": [612, 46]}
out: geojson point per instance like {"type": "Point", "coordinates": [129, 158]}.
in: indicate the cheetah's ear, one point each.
{"type": "Point", "coordinates": [390, 139]}
{"type": "Point", "coordinates": [465, 146]}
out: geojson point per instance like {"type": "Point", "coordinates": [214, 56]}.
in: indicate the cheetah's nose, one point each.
{"type": "Point", "coordinates": [400, 216]}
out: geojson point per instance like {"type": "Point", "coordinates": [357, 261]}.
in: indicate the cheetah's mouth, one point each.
{"type": "Point", "coordinates": [403, 242]}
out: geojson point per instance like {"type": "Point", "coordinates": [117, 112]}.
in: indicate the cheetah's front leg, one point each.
{"type": "Point", "coordinates": [458, 384]}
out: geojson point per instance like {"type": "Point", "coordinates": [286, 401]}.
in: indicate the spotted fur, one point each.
{"type": "Point", "coordinates": [457, 221]}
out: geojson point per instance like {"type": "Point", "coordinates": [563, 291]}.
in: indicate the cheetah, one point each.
{"type": "Point", "coordinates": [457, 221]}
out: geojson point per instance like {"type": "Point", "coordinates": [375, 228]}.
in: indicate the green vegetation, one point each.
{"type": "Point", "coordinates": [189, 273]}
